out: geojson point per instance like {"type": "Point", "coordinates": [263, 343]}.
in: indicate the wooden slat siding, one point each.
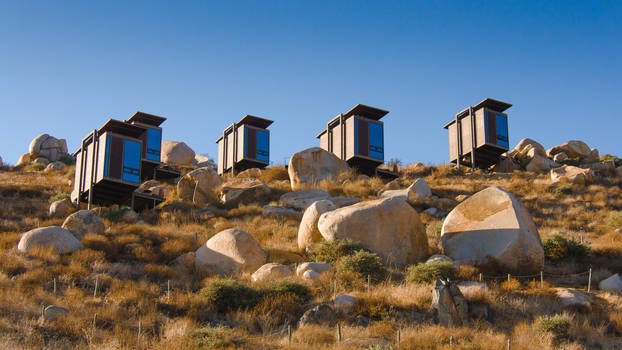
{"type": "Point", "coordinates": [143, 151]}
{"type": "Point", "coordinates": [251, 143]}
{"type": "Point", "coordinates": [363, 137]}
{"type": "Point", "coordinates": [116, 157]}
{"type": "Point", "coordinates": [492, 127]}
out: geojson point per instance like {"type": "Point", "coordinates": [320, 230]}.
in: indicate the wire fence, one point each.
{"type": "Point", "coordinates": [166, 290]}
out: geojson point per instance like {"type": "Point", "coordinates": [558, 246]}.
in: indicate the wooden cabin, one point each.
{"type": "Point", "coordinates": [357, 137]}
{"type": "Point", "coordinates": [151, 165]}
{"type": "Point", "coordinates": [108, 164]}
{"type": "Point", "coordinates": [478, 135]}
{"type": "Point", "coordinates": [244, 145]}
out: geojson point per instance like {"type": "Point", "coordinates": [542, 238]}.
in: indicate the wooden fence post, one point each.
{"type": "Point", "coordinates": [140, 328]}
{"type": "Point", "coordinates": [451, 340]}
{"type": "Point", "coordinates": [589, 281]}
{"type": "Point", "coordinates": [338, 333]}
{"type": "Point", "coordinates": [399, 338]}
{"type": "Point", "coordinates": [96, 284]}
{"type": "Point", "coordinates": [368, 283]}
{"type": "Point", "coordinates": [289, 333]}
{"type": "Point", "coordinates": [54, 285]}
{"type": "Point", "coordinates": [509, 344]}
{"type": "Point", "coordinates": [93, 326]}
{"type": "Point", "coordinates": [541, 279]}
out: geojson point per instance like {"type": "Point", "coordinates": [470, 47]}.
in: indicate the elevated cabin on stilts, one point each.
{"type": "Point", "coordinates": [478, 135]}
{"type": "Point", "coordinates": [357, 137]}
{"type": "Point", "coordinates": [244, 145]}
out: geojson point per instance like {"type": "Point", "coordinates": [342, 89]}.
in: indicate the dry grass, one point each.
{"type": "Point", "coordinates": [132, 267]}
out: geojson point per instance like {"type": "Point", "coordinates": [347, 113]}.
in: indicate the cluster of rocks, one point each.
{"type": "Point", "coordinates": [573, 161]}
{"type": "Point", "coordinates": [47, 150]}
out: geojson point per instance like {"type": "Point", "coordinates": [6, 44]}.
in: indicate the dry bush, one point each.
{"type": "Point", "coordinates": [315, 336]}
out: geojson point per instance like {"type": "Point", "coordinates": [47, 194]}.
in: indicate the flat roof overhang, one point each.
{"type": "Point", "coordinates": [489, 103]}
{"type": "Point", "coordinates": [251, 120]}
{"type": "Point", "coordinates": [359, 110]}
{"type": "Point", "coordinates": [115, 126]}
{"type": "Point", "coordinates": [146, 118]}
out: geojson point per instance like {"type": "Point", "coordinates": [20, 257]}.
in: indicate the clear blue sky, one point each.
{"type": "Point", "coordinates": [66, 67]}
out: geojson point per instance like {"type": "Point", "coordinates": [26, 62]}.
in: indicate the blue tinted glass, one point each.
{"type": "Point", "coordinates": [107, 156]}
{"type": "Point", "coordinates": [376, 142]}
{"type": "Point", "coordinates": [263, 146]}
{"type": "Point", "coordinates": [131, 161]}
{"type": "Point", "coordinates": [154, 144]}
{"type": "Point", "coordinates": [502, 131]}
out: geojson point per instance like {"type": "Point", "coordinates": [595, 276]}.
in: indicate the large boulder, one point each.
{"type": "Point", "coordinates": [308, 232]}
{"type": "Point", "coordinates": [539, 164]}
{"type": "Point", "coordinates": [60, 208]}
{"type": "Point", "coordinates": [82, 222]}
{"type": "Point", "coordinates": [199, 186]}
{"type": "Point", "coordinates": [390, 227]}
{"type": "Point", "coordinates": [493, 228]}
{"type": "Point", "coordinates": [524, 152]}
{"type": "Point", "coordinates": [49, 147]}
{"type": "Point", "coordinates": [613, 283]}
{"type": "Point", "coordinates": [201, 161]}
{"type": "Point", "coordinates": [574, 149]}
{"type": "Point", "coordinates": [303, 199]}
{"type": "Point", "coordinates": [237, 191]}
{"type": "Point", "coordinates": [154, 188]}
{"type": "Point", "coordinates": [572, 174]}
{"type": "Point", "coordinates": [177, 153]}
{"type": "Point", "coordinates": [506, 165]}
{"type": "Point", "coordinates": [270, 272]}
{"type": "Point", "coordinates": [61, 240]}
{"type": "Point", "coordinates": [312, 266]}
{"type": "Point", "coordinates": [229, 252]}
{"type": "Point", "coordinates": [313, 165]}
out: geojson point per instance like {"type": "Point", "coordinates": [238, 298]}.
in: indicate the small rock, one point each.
{"type": "Point", "coordinates": [54, 166]}
{"type": "Point", "coordinates": [618, 230]}
{"type": "Point", "coordinates": [321, 314]}
{"type": "Point", "coordinates": [238, 191]}
{"type": "Point", "coordinates": [82, 222]}
{"type": "Point", "coordinates": [613, 283]}
{"type": "Point", "coordinates": [24, 159]}
{"type": "Point", "coordinates": [252, 173]}
{"type": "Point", "coordinates": [571, 297]}
{"type": "Point", "coordinates": [436, 258]}
{"type": "Point", "coordinates": [310, 275]}
{"type": "Point", "coordinates": [572, 174]}
{"type": "Point", "coordinates": [461, 197]}
{"type": "Point", "coordinates": [52, 313]}
{"type": "Point", "coordinates": [60, 208]}
{"type": "Point", "coordinates": [431, 211]}
{"type": "Point", "coordinates": [450, 305]}
{"type": "Point", "coordinates": [619, 171]}
{"type": "Point", "coordinates": [345, 302]}
{"type": "Point", "coordinates": [303, 199]}
{"type": "Point", "coordinates": [278, 212]}
{"type": "Point", "coordinates": [270, 272]}
{"type": "Point", "coordinates": [362, 321]}
{"type": "Point", "coordinates": [312, 266]}
{"type": "Point", "coordinates": [41, 160]}
{"type": "Point", "coordinates": [129, 216]}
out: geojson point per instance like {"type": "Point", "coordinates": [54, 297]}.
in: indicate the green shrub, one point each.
{"type": "Point", "coordinates": [218, 337]}
{"type": "Point", "coordinates": [558, 325]}
{"type": "Point", "coordinates": [68, 159]}
{"type": "Point", "coordinates": [564, 189]}
{"type": "Point", "coordinates": [558, 248]}
{"type": "Point", "coordinates": [227, 295]}
{"type": "Point", "coordinates": [364, 263]}
{"type": "Point", "coordinates": [422, 273]}
{"type": "Point", "coordinates": [282, 287]}
{"type": "Point", "coordinates": [607, 157]}
{"type": "Point", "coordinates": [615, 220]}
{"type": "Point", "coordinates": [114, 214]}
{"type": "Point", "coordinates": [59, 196]}
{"type": "Point", "coordinates": [35, 167]}
{"type": "Point", "coordinates": [571, 161]}
{"type": "Point", "coordinates": [330, 252]}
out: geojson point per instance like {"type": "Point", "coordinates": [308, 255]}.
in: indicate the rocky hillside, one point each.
{"type": "Point", "coordinates": [316, 256]}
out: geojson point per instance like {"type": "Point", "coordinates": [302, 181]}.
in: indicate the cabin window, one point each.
{"type": "Point", "coordinates": [263, 146]}
{"type": "Point", "coordinates": [154, 144]}
{"type": "Point", "coordinates": [107, 156]}
{"type": "Point", "coordinates": [376, 142]}
{"type": "Point", "coordinates": [131, 161]}
{"type": "Point", "coordinates": [502, 131]}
